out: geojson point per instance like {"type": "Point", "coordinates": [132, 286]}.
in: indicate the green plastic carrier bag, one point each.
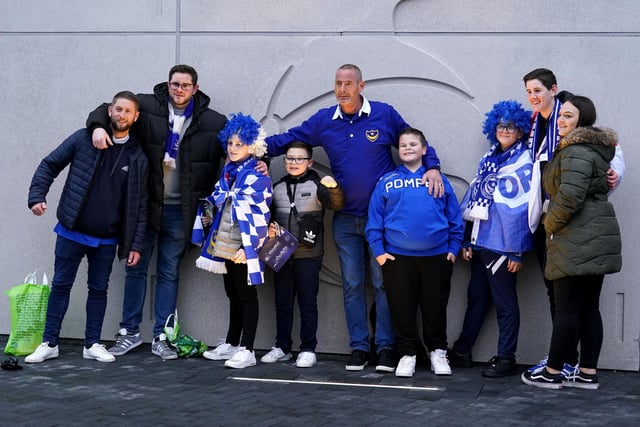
{"type": "Point", "coordinates": [28, 303]}
{"type": "Point", "coordinates": [185, 345]}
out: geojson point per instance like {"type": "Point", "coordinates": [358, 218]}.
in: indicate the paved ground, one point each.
{"type": "Point", "coordinates": [140, 389]}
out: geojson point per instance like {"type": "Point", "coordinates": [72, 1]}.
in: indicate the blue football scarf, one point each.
{"type": "Point", "coordinates": [483, 186]}
{"type": "Point", "coordinates": [499, 195]}
{"type": "Point", "coordinates": [176, 130]}
{"type": "Point", "coordinates": [543, 153]}
{"type": "Point", "coordinates": [250, 196]}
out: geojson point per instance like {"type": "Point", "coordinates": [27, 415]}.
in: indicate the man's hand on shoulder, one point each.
{"type": "Point", "coordinates": [261, 167]}
{"type": "Point", "coordinates": [434, 179]}
{"type": "Point", "coordinates": [100, 139]}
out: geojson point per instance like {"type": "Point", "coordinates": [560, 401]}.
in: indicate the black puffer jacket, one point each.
{"type": "Point", "coordinates": [199, 157]}
{"type": "Point", "coordinates": [78, 151]}
{"type": "Point", "coordinates": [583, 236]}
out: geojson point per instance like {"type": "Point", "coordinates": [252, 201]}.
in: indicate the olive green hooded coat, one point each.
{"type": "Point", "coordinates": [583, 236]}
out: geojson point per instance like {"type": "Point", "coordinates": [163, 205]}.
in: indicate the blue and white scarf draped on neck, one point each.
{"type": "Point", "coordinates": [500, 188]}
{"type": "Point", "coordinates": [250, 197]}
{"type": "Point", "coordinates": [541, 154]}
{"type": "Point", "coordinates": [178, 123]}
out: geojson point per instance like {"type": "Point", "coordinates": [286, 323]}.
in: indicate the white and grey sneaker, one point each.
{"type": "Point", "coordinates": [406, 366]}
{"type": "Point", "coordinates": [439, 362]}
{"type": "Point", "coordinates": [98, 352]}
{"type": "Point", "coordinates": [160, 347]}
{"type": "Point", "coordinates": [275, 355]}
{"type": "Point", "coordinates": [125, 342]}
{"type": "Point", "coordinates": [224, 351]}
{"type": "Point", "coordinates": [241, 359]}
{"type": "Point", "coordinates": [306, 359]}
{"type": "Point", "coordinates": [42, 353]}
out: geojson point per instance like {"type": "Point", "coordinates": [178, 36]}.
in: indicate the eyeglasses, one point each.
{"type": "Point", "coordinates": [509, 127]}
{"type": "Point", "coordinates": [296, 160]}
{"type": "Point", "coordinates": [183, 86]}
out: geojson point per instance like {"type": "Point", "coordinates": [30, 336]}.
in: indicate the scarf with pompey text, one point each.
{"type": "Point", "coordinates": [506, 191]}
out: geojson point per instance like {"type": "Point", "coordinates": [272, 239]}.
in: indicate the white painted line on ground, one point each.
{"type": "Point", "coordinates": [397, 387]}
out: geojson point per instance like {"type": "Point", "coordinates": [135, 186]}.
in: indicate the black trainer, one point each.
{"type": "Point", "coordinates": [386, 361]}
{"type": "Point", "coordinates": [542, 379]}
{"type": "Point", "coordinates": [358, 361]}
{"type": "Point", "coordinates": [500, 367]}
{"type": "Point", "coordinates": [460, 360]}
{"type": "Point", "coordinates": [580, 379]}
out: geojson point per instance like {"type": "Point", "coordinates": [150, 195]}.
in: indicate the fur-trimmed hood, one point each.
{"type": "Point", "coordinates": [590, 135]}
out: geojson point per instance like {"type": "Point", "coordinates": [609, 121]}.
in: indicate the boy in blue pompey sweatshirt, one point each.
{"type": "Point", "coordinates": [497, 233]}
{"type": "Point", "coordinates": [414, 237]}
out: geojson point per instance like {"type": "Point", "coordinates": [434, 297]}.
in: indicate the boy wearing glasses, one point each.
{"type": "Point", "coordinates": [299, 199]}
{"type": "Point", "coordinates": [497, 233]}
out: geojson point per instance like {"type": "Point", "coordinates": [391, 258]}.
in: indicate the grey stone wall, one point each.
{"type": "Point", "coordinates": [441, 64]}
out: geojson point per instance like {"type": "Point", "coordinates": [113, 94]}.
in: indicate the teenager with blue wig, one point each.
{"type": "Point", "coordinates": [242, 197]}
{"type": "Point", "coordinates": [496, 235]}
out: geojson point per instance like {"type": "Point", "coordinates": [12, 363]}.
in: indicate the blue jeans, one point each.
{"type": "Point", "coordinates": [298, 278]}
{"type": "Point", "coordinates": [171, 249]}
{"type": "Point", "coordinates": [68, 256]}
{"type": "Point", "coordinates": [350, 239]}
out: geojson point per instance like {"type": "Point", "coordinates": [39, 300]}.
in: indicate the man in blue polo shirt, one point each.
{"type": "Point", "coordinates": [357, 136]}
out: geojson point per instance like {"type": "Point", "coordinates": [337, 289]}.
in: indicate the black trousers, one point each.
{"type": "Point", "coordinates": [412, 282]}
{"type": "Point", "coordinates": [243, 306]}
{"type": "Point", "coordinates": [577, 319]}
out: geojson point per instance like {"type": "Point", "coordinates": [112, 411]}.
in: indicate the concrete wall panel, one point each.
{"type": "Point", "coordinates": [276, 16]}
{"type": "Point", "coordinates": [516, 16]}
{"type": "Point", "coordinates": [88, 16]}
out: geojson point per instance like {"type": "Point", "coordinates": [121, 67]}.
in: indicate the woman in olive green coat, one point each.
{"type": "Point", "coordinates": [583, 242]}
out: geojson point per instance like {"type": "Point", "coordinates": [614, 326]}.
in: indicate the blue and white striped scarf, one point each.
{"type": "Point", "coordinates": [548, 146]}
{"type": "Point", "coordinates": [541, 154]}
{"type": "Point", "coordinates": [176, 130]}
{"type": "Point", "coordinates": [250, 197]}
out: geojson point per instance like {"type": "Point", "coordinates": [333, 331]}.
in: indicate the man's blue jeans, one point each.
{"type": "Point", "coordinates": [68, 256]}
{"type": "Point", "coordinates": [350, 239]}
{"type": "Point", "coordinates": [171, 249]}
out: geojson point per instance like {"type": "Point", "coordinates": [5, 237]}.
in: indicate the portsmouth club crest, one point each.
{"type": "Point", "coordinates": [372, 135]}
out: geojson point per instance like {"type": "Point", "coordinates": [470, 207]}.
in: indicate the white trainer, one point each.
{"type": "Point", "coordinates": [42, 353]}
{"type": "Point", "coordinates": [439, 362]}
{"type": "Point", "coordinates": [406, 367]}
{"type": "Point", "coordinates": [241, 359]}
{"type": "Point", "coordinates": [224, 351]}
{"type": "Point", "coordinates": [306, 359]}
{"type": "Point", "coordinates": [98, 352]}
{"type": "Point", "coordinates": [275, 355]}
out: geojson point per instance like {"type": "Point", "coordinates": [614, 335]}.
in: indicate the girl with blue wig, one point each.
{"type": "Point", "coordinates": [242, 197]}
{"type": "Point", "coordinates": [496, 235]}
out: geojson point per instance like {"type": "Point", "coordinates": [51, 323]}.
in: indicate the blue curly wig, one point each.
{"type": "Point", "coordinates": [507, 112]}
{"type": "Point", "coordinates": [245, 127]}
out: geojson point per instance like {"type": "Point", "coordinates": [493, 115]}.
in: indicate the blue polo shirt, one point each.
{"type": "Point", "coordinates": [358, 147]}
